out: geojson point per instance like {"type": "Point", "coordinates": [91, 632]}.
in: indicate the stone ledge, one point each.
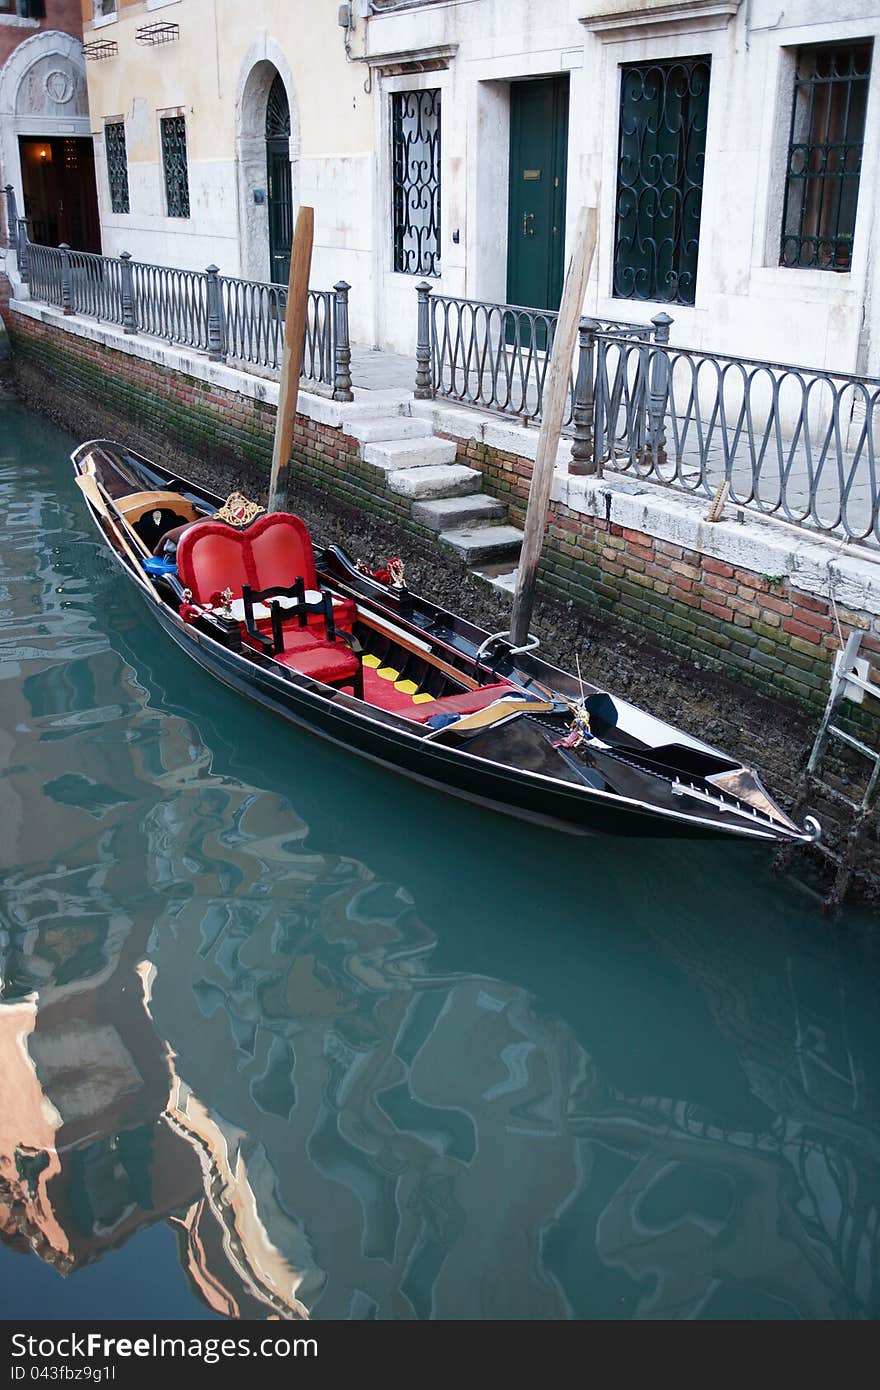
{"type": "Point", "coordinates": [808, 561]}
{"type": "Point", "coordinates": [188, 362]}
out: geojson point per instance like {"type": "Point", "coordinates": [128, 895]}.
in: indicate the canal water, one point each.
{"type": "Point", "coordinates": [283, 1035]}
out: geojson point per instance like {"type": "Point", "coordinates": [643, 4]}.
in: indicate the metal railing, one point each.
{"type": "Point", "coordinates": [787, 441]}
{"type": "Point", "coordinates": [228, 319]}
{"type": "Point", "coordinates": [493, 356]}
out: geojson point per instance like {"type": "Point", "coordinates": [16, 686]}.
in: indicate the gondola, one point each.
{"type": "Point", "coordinates": [356, 657]}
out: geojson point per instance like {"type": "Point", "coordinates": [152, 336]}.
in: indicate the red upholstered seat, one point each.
{"type": "Point", "coordinates": [270, 553]}
{"type": "Point", "coordinates": [468, 702]}
{"type": "Point", "coordinates": [334, 665]}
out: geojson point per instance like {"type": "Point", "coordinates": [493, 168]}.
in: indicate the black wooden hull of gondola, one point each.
{"type": "Point", "coordinates": [386, 741]}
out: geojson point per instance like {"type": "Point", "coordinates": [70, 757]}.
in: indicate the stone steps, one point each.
{"type": "Point", "coordinates": [386, 428]}
{"type": "Point", "coordinates": [445, 495]}
{"type": "Point", "coordinates": [499, 575]}
{"type": "Point", "coordinates": [446, 480]}
{"type": "Point", "coordinates": [394, 454]}
{"type": "Point", "coordinates": [475, 543]}
{"type": "Point", "coordinates": [445, 513]}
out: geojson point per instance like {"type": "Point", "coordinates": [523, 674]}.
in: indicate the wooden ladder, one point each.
{"type": "Point", "coordinates": [849, 681]}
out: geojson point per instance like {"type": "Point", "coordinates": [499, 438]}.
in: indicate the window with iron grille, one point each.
{"type": "Point", "coordinates": [24, 9]}
{"type": "Point", "coordinates": [117, 165]}
{"type": "Point", "coordinates": [661, 158]}
{"type": "Point", "coordinates": [825, 156]}
{"type": "Point", "coordinates": [173, 131]}
{"type": "Point", "coordinates": [415, 129]}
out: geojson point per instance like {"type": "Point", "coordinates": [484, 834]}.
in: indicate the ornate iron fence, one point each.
{"type": "Point", "coordinates": [242, 320]}
{"type": "Point", "coordinates": [171, 304]}
{"type": "Point", "coordinates": [494, 356]}
{"type": "Point", "coordinates": [788, 441]}
{"type": "Point", "coordinates": [95, 286]}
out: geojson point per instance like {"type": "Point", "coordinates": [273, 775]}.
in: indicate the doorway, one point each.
{"type": "Point", "coordinates": [280, 183]}
{"type": "Point", "coordinates": [536, 196]}
{"type": "Point", "coordinates": [60, 197]}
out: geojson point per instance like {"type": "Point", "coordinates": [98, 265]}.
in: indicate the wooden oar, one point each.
{"type": "Point", "coordinates": [292, 356]}
{"type": "Point", "coordinates": [501, 709]}
{"type": "Point", "coordinates": [90, 489]}
{"type": "Point", "coordinates": [556, 389]}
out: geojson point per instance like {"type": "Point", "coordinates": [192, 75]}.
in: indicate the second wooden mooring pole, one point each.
{"type": "Point", "coordinates": [292, 356]}
{"type": "Point", "coordinates": [556, 387]}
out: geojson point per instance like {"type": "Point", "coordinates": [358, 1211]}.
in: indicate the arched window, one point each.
{"type": "Point", "coordinates": [277, 112]}
{"type": "Point", "coordinates": [280, 185]}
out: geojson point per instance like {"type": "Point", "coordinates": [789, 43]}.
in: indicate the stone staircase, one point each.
{"type": "Point", "coordinates": [445, 495]}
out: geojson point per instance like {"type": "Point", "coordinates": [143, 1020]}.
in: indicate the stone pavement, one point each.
{"type": "Point", "coordinates": [372, 370]}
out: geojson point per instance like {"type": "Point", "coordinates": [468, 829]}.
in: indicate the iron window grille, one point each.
{"type": "Point", "coordinates": [24, 9]}
{"type": "Point", "coordinates": [117, 165]}
{"type": "Point", "coordinates": [415, 126]}
{"type": "Point", "coordinates": [173, 131]}
{"type": "Point", "coordinates": [277, 111]}
{"type": "Point", "coordinates": [825, 156]}
{"type": "Point", "coordinates": [664, 109]}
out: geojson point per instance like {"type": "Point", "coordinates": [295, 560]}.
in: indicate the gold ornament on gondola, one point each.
{"type": "Point", "coordinates": [237, 510]}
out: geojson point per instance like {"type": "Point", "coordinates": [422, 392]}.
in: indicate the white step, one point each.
{"type": "Point", "coordinates": [446, 513]}
{"type": "Point", "coordinates": [475, 543]}
{"type": "Point", "coordinates": [500, 576]}
{"type": "Point", "coordinates": [409, 453]}
{"type": "Point", "coordinates": [448, 480]}
{"type": "Point", "coordinates": [389, 427]}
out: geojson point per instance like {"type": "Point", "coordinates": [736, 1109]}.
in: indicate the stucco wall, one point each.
{"type": "Point", "coordinates": [204, 75]}
{"type": "Point", "coordinates": [746, 304]}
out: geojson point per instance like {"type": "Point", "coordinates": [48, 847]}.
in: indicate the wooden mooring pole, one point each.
{"type": "Point", "coordinates": [292, 356]}
{"type": "Point", "coordinates": [556, 387]}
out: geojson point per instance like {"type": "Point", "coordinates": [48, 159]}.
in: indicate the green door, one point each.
{"type": "Point", "coordinates": [536, 223]}
{"type": "Point", "coordinates": [280, 210]}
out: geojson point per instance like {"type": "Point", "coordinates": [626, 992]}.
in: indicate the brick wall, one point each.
{"type": "Point", "coordinates": [758, 628]}
{"type": "Point", "coordinates": [228, 436]}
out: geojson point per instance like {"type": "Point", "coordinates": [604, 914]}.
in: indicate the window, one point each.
{"type": "Point", "coordinates": [415, 133]}
{"type": "Point", "coordinates": [173, 132]}
{"type": "Point", "coordinates": [117, 165]}
{"type": "Point", "coordinates": [825, 156]}
{"type": "Point", "coordinates": [104, 8]}
{"type": "Point", "coordinates": [24, 9]}
{"type": "Point", "coordinates": [661, 158]}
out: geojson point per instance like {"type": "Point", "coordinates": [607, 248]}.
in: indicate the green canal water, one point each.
{"type": "Point", "coordinates": [281, 1034]}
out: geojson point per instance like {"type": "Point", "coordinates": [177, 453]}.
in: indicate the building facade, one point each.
{"type": "Point", "coordinates": [732, 152]}
{"type": "Point", "coordinates": [213, 121]}
{"type": "Point", "coordinates": [45, 136]}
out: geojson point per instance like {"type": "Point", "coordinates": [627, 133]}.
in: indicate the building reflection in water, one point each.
{"type": "Point", "coordinates": [207, 1021]}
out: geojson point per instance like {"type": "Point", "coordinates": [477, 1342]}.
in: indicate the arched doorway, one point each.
{"type": "Point", "coordinates": [279, 181]}
{"type": "Point", "coordinates": [46, 147]}
{"type": "Point", "coordinates": [267, 145]}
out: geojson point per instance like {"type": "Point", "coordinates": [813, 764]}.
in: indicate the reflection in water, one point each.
{"type": "Point", "coordinates": [374, 1054]}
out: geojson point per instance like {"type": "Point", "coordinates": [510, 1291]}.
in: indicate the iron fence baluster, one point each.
{"type": "Point", "coordinates": [341, 344]}
{"type": "Point", "coordinates": [11, 217]}
{"type": "Point", "coordinates": [24, 247]}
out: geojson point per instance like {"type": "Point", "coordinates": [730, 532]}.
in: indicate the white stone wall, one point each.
{"type": "Point", "coordinates": [473, 50]}
{"type": "Point", "coordinates": [746, 303]}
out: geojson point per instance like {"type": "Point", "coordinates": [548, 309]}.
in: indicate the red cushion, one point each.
{"type": "Point", "coordinates": [210, 557]}
{"type": "Point", "coordinates": [468, 702]}
{"type": "Point", "coordinates": [295, 639]}
{"type": "Point", "coordinates": [326, 661]}
{"type": "Point", "coordinates": [272, 552]}
{"type": "Point", "coordinates": [280, 550]}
